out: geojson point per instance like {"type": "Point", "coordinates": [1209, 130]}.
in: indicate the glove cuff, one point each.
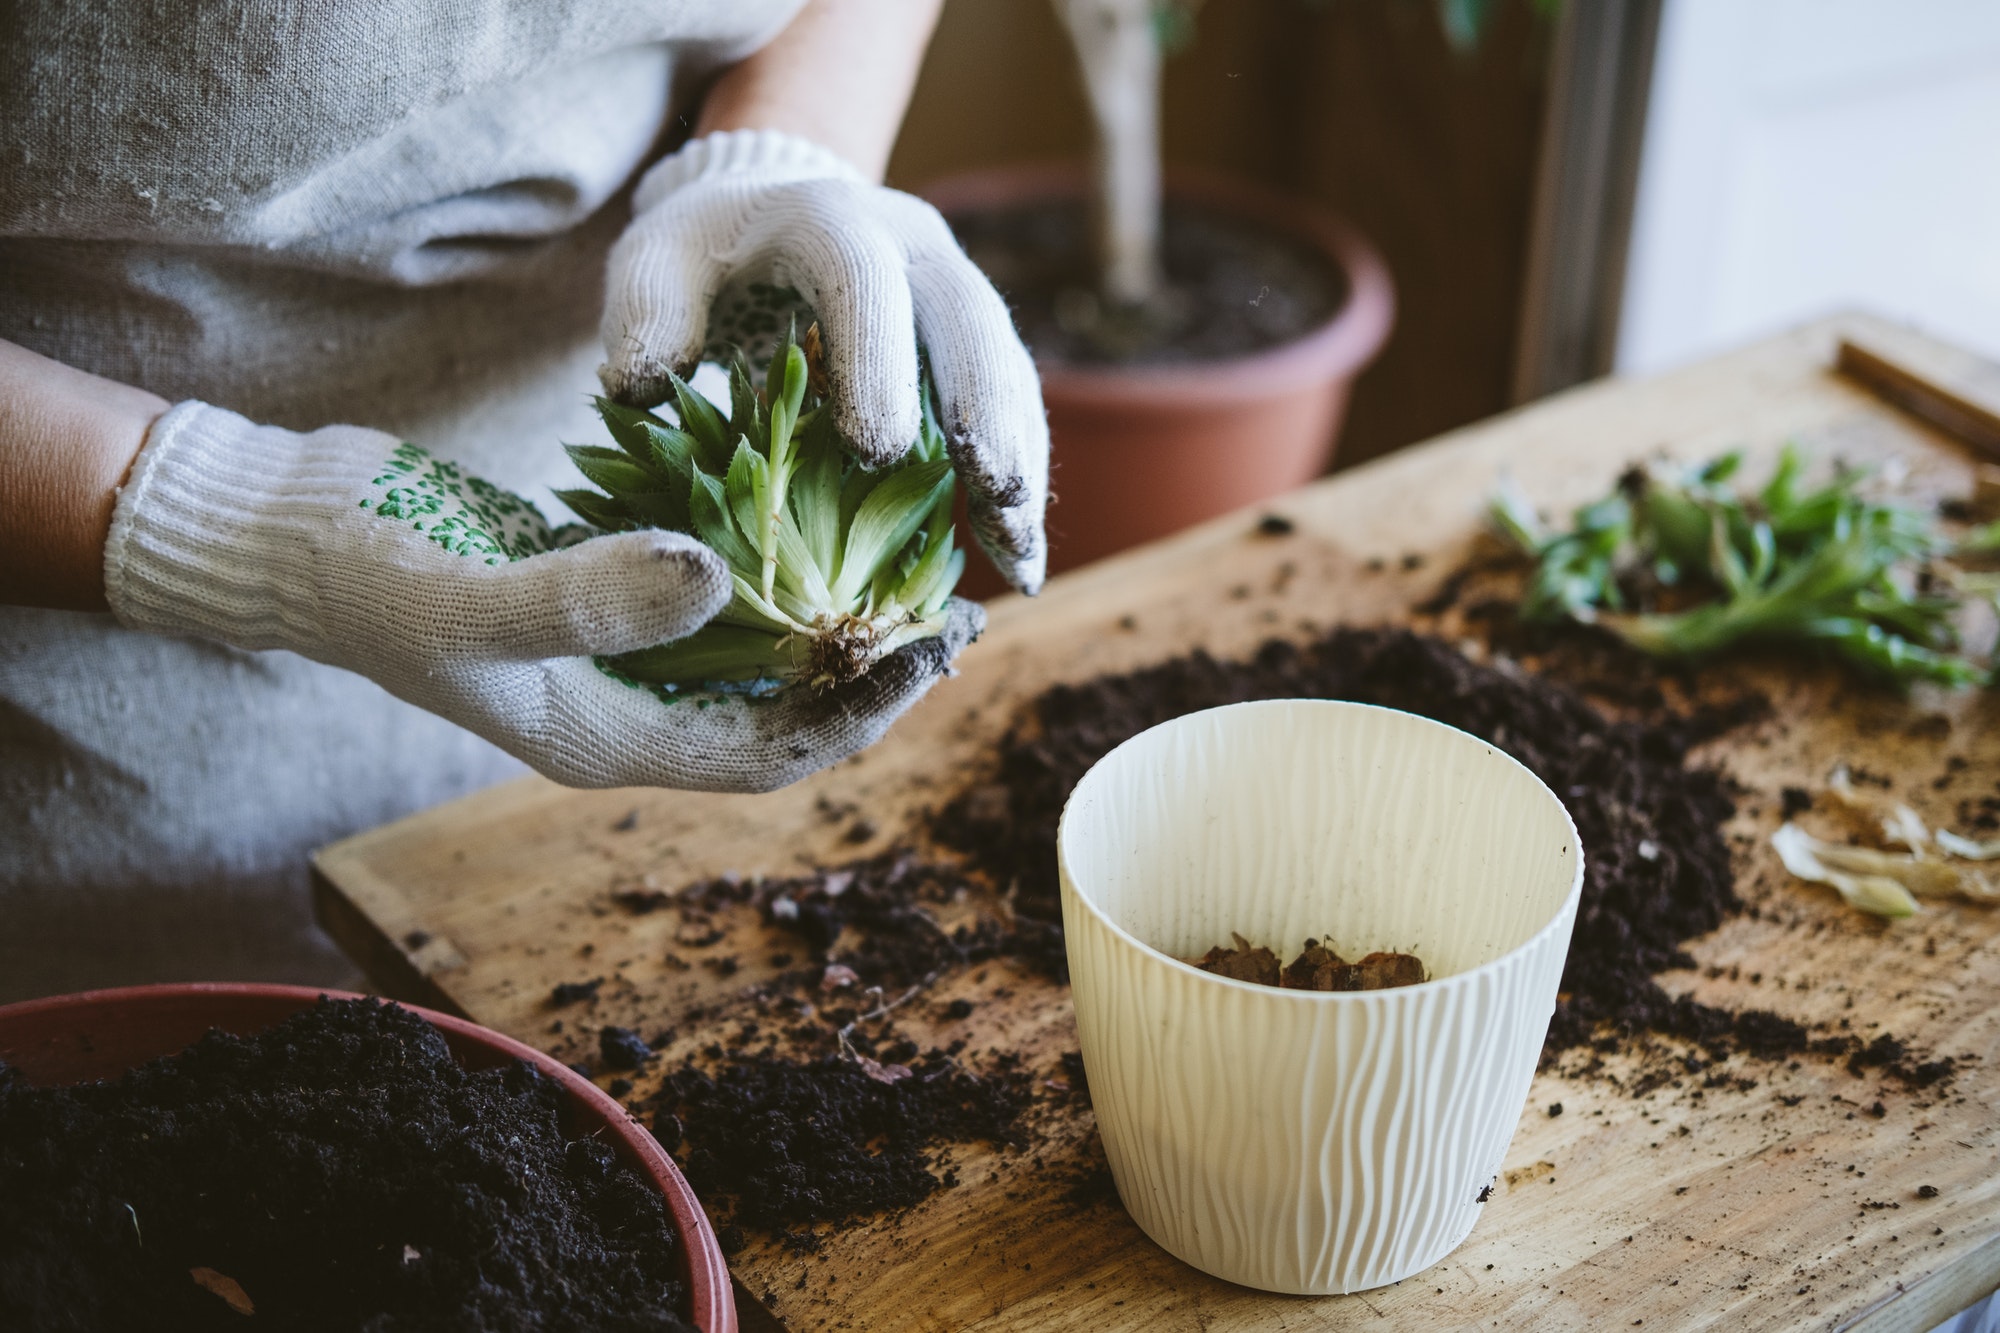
{"type": "Point", "coordinates": [206, 535]}
{"type": "Point", "coordinates": [770, 154]}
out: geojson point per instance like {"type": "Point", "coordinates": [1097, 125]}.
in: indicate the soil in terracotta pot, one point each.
{"type": "Point", "coordinates": [341, 1172]}
{"type": "Point", "coordinates": [1232, 285]}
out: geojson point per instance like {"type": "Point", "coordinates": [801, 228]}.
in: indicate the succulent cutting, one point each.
{"type": "Point", "coordinates": [1680, 563]}
{"type": "Point", "coordinates": [835, 566]}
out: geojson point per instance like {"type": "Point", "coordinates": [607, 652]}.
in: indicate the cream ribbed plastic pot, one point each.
{"type": "Point", "coordinates": [1298, 1141]}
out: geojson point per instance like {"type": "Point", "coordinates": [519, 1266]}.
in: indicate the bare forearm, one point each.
{"type": "Point", "coordinates": [840, 74]}
{"type": "Point", "coordinates": [67, 439]}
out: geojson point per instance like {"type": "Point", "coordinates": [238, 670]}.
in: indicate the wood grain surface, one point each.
{"type": "Point", "coordinates": [1960, 394]}
{"type": "Point", "coordinates": [1774, 1197]}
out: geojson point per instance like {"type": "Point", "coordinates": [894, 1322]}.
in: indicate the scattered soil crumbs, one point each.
{"type": "Point", "coordinates": [792, 1143]}
{"type": "Point", "coordinates": [826, 1113]}
{"type": "Point", "coordinates": [876, 922]}
{"type": "Point", "coordinates": [1317, 968]}
{"type": "Point", "coordinates": [339, 1171]}
{"type": "Point", "coordinates": [877, 918]}
{"type": "Point", "coordinates": [1657, 870]}
{"type": "Point", "coordinates": [832, 1116]}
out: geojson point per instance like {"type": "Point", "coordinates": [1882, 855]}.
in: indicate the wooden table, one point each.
{"type": "Point", "coordinates": [1781, 1205]}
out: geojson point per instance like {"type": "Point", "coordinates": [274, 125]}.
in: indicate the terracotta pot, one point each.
{"type": "Point", "coordinates": [1140, 452]}
{"type": "Point", "coordinates": [101, 1034]}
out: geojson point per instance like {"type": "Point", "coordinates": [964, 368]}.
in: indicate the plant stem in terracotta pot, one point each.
{"type": "Point", "coordinates": [1225, 388]}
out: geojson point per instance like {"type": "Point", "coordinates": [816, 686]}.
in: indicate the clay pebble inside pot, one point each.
{"type": "Point", "coordinates": [1229, 392]}
{"type": "Point", "coordinates": [344, 1163]}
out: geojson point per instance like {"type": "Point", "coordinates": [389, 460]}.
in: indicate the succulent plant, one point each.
{"type": "Point", "coordinates": [835, 565]}
{"type": "Point", "coordinates": [1872, 580]}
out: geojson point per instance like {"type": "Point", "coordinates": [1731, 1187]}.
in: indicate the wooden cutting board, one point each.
{"type": "Point", "coordinates": [1777, 1200]}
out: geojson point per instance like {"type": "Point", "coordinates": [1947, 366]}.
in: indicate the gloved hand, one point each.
{"type": "Point", "coordinates": [739, 220]}
{"type": "Point", "coordinates": [355, 549]}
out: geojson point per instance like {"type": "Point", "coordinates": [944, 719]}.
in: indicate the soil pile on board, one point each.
{"type": "Point", "coordinates": [790, 1143]}
{"type": "Point", "coordinates": [879, 918]}
{"type": "Point", "coordinates": [840, 1117]}
{"type": "Point", "coordinates": [1657, 870]}
{"type": "Point", "coordinates": [1231, 286]}
{"type": "Point", "coordinates": [339, 1171]}
{"type": "Point", "coordinates": [833, 1116]}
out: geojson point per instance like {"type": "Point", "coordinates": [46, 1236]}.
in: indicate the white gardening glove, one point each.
{"type": "Point", "coordinates": [748, 225]}
{"type": "Point", "coordinates": [355, 549]}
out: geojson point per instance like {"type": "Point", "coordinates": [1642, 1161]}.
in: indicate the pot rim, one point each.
{"type": "Point", "coordinates": [1341, 347]}
{"type": "Point", "coordinates": [709, 1293]}
{"type": "Point", "coordinates": [1560, 920]}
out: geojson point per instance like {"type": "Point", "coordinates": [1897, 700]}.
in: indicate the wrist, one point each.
{"type": "Point", "coordinates": [67, 440]}
{"type": "Point", "coordinates": [219, 531]}
{"type": "Point", "coordinates": [841, 72]}
{"type": "Point", "coordinates": [769, 153]}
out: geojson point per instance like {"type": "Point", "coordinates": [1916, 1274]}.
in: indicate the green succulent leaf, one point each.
{"type": "Point", "coordinates": [748, 486]}
{"type": "Point", "coordinates": [597, 510]}
{"type": "Point", "coordinates": [1779, 491]}
{"type": "Point", "coordinates": [713, 653]}
{"type": "Point", "coordinates": [1980, 541]}
{"type": "Point", "coordinates": [1720, 468]}
{"type": "Point", "coordinates": [746, 408]}
{"type": "Point", "coordinates": [890, 516]}
{"type": "Point", "coordinates": [800, 575]}
{"type": "Point", "coordinates": [611, 469]}
{"type": "Point", "coordinates": [701, 421]}
{"type": "Point", "coordinates": [1515, 518]}
{"type": "Point", "coordinates": [815, 506]}
{"type": "Point", "coordinates": [672, 452]}
{"type": "Point", "coordinates": [708, 506]}
{"type": "Point", "coordinates": [920, 584]}
{"type": "Point", "coordinates": [628, 428]}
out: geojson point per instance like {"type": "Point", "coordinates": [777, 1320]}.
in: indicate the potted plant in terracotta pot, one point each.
{"type": "Point", "coordinates": [1197, 335]}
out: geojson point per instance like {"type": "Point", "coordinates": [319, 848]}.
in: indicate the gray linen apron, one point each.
{"type": "Point", "coordinates": [385, 212]}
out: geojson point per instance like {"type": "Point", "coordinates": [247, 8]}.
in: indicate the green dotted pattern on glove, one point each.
{"type": "Point", "coordinates": [465, 515]}
{"type": "Point", "coordinates": [470, 516]}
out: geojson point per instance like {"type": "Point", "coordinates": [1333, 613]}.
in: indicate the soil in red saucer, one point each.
{"type": "Point", "coordinates": [339, 1171]}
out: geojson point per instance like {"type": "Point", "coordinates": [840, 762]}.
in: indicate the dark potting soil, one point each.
{"type": "Point", "coordinates": [338, 1172]}
{"type": "Point", "coordinates": [1657, 870]}
{"type": "Point", "coordinates": [876, 911]}
{"type": "Point", "coordinates": [823, 1136]}
{"type": "Point", "coordinates": [1232, 286]}
{"type": "Point", "coordinates": [878, 917]}
{"type": "Point", "coordinates": [1317, 968]}
{"type": "Point", "coordinates": [790, 1143]}
{"type": "Point", "coordinates": [786, 1142]}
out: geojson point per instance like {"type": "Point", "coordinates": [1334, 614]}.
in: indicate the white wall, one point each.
{"type": "Point", "coordinates": [1807, 154]}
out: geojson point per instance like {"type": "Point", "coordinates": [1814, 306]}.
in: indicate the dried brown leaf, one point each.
{"type": "Point", "coordinates": [228, 1288]}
